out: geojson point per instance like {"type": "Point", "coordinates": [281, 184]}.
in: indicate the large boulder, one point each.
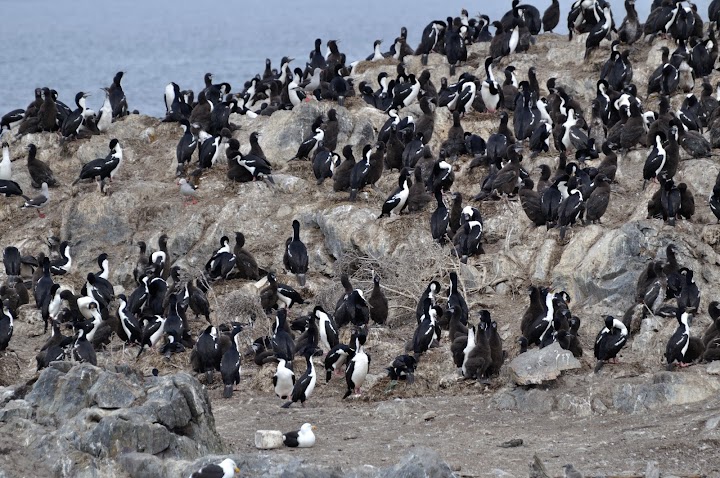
{"type": "Point", "coordinates": [81, 418]}
{"type": "Point", "coordinates": [664, 389]}
{"type": "Point", "coordinates": [538, 366]}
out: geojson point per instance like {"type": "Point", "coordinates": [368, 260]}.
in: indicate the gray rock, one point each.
{"type": "Point", "coordinates": [59, 396]}
{"type": "Point", "coordinates": [602, 268]}
{"type": "Point", "coordinates": [15, 409]}
{"type": "Point", "coordinates": [713, 368]}
{"type": "Point", "coordinates": [7, 394]}
{"type": "Point", "coordinates": [420, 463]}
{"type": "Point", "coordinates": [144, 465]}
{"type": "Point", "coordinates": [652, 470]}
{"type": "Point", "coordinates": [574, 404]}
{"type": "Point", "coordinates": [113, 391]}
{"type": "Point", "coordinates": [537, 366]}
{"type": "Point", "coordinates": [666, 388]}
{"type": "Point", "coordinates": [522, 400]}
{"type": "Point", "coordinates": [598, 406]}
{"type": "Point", "coordinates": [82, 419]}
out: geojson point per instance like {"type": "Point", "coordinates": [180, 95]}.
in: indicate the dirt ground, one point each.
{"type": "Point", "coordinates": [467, 432]}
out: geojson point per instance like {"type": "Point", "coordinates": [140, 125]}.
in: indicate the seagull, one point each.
{"type": "Point", "coordinates": [225, 469]}
{"type": "Point", "coordinates": [187, 190]}
{"type": "Point", "coordinates": [38, 201]}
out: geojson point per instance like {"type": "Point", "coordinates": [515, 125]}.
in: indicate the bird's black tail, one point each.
{"type": "Point", "coordinates": [599, 365]}
{"type": "Point", "coordinates": [228, 391]}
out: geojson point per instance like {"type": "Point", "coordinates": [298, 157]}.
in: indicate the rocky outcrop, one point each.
{"type": "Point", "coordinates": [419, 463]}
{"type": "Point", "coordinates": [79, 419]}
{"type": "Point", "coordinates": [663, 390]}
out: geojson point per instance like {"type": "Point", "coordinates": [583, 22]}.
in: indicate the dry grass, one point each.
{"type": "Point", "coordinates": [403, 275]}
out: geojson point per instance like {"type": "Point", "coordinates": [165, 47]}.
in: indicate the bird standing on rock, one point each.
{"type": "Point", "coordinates": [609, 341]}
{"type": "Point", "coordinates": [680, 347]}
{"type": "Point", "coordinates": [118, 101]}
{"type": "Point", "coordinates": [188, 191]}
{"type": "Point", "coordinates": [103, 168]}
{"type": "Point", "coordinates": [397, 201]}
{"type": "Point", "coordinates": [39, 171]}
{"type": "Point", "coordinates": [38, 201]}
{"type": "Point", "coordinates": [295, 258]}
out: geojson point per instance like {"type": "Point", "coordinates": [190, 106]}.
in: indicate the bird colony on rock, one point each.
{"type": "Point", "coordinates": [582, 142]}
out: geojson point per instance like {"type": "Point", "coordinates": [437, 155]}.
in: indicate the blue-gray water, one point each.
{"type": "Point", "coordinates": [80, 45]}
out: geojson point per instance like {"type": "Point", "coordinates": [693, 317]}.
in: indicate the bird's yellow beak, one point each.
{"type": "Point", "coordinates": [237, 470]}
{"type": "Point", "coordinates": [314, 427]}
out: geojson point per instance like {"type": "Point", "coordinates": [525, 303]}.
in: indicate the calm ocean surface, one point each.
{"type": "Point", "coordinates": [80, 45]}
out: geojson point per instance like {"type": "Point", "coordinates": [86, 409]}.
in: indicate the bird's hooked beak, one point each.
{"type": "Point", "coordinates": [314, 427]}
{"type": "Point", "coordinates": [236, 469]}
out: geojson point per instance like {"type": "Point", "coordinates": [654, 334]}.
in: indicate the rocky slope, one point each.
{"type": "Point", "coordinates": [598, 266]}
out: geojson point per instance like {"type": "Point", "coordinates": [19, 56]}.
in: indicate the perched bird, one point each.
{"type": "Point", "coordinates": [205, 356]}
{"type": "Point", "coordinates": [378, 302]}
{"type": "Point", "coordinates": [103, 168]}
{"type": "Point", "coordinates": [230, 363]}
{"type": "Point", "coordinates": [357, 369]}
{"type": "Point", "coordinates": [308, 147]}
{"type": "Point", "coordinates": [278, 295]}
{"type": "Point", "coordinates": [304, 387]}
{"type": "Point", "coordinates": [303, 438]}
{"type": "Point", "coordinates": [188, 191]}
{"type": "Point", "coordinates": [10, 188]}
{"type": "Point", "coordinates": [5, 164]}
{"type": "Point", "coordinates": [225, 469]}
{"type": "Point", "coordinates": [609, 341]}
{"type": "Point", "coordinates": [597, 204]}
{"type": "Point", "coordinates": [185, 147]}
{"type": "Point", "coordinates": [6, 326]}
{"type": "Point", "coordinates": [678, 348]}
{"type": "Point", "coordinates": [245, 262]}
{"type": "Point", "coordinates": [118, 101]}
{"type": "Point", "coordinates": [402, 368]}
{"type": "Point", "coordinates": [397, 201]}
{"type": "Point", "coordinates": [283, 379]}
{"type": "Point", "coordinates": [74, 121]}
{"type": "Point", "coordinates": [83, 350]}
{"type": "Point", "coordinates": [551, 17]}
{"type": "Point", "coordinates": [39, 171]}
{"type": "Point", "coordinates": [38, 201]}
{"type": "Point", "coordinates": [295, 258]}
